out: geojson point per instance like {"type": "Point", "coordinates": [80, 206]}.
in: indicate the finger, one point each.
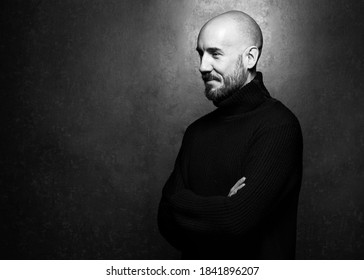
{"type": "Point", "coordinates": [241, 180]}
{"type": "Point", "coordinates": [234, 190]}
{"type": "Point", "coordinates": [240, 187]}
{"type": "Point", "coordinates": [231, 193]}
{"type": "Point", "coordinates": [237, 187]}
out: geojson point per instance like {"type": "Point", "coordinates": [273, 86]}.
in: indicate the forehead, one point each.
{"type": "Point", "coordinates": [218, 35]}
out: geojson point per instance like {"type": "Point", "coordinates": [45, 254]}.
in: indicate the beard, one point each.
{"type": "Point", "coordinates": [231, 83]}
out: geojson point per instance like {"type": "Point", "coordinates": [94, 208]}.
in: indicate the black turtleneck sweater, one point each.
{"type": "Point", "coordinates": [249, 135]}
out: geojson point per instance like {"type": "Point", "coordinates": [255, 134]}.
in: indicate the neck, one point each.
{"type": "Point", "coordinates": [246, 98]}
{"type": "Point", "coordinates": [251, 76]}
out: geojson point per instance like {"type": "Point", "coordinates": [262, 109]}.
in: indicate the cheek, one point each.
{"type": "Point", "coordinates": [219, 73]}
{"type": "Point", "coordinates": [224, 69]}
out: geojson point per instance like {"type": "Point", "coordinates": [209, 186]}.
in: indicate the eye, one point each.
{"type": "Point", "coordinates": [215, 54]}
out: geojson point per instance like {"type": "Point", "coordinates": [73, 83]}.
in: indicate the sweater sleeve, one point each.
{"type": "Point", "coordinates": [166, 220]}
{"type": "Point", "coordinates": [273, 156]}
{"type": "Point", "coordinates": [167, 225]}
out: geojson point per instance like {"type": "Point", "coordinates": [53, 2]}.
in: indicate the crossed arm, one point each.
{"type": "Point", "coordinates": [267, 172]}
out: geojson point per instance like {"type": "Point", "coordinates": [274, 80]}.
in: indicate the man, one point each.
{"type": "Point", "coordinates": [233, 193]}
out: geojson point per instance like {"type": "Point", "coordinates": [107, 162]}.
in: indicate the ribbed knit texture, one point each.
{"type": "Point", "coordinates": [250, 134]}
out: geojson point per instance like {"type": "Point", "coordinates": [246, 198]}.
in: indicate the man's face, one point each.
{"type": "Point", "coordinates": [221, 62]}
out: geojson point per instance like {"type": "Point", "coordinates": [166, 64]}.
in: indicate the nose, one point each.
{"type": "Point", "coordinates": [205, 64]}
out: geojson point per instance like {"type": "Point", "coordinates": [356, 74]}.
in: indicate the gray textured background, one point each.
{"type": "Point", "coordinates": [97, 95]}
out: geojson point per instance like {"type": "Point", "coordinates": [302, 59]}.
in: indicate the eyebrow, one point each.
{"type": "Point", "coordinates": [210, 50]}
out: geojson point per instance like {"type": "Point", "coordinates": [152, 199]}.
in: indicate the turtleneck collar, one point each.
{"type": "Point", "coordinates": [246, 98]}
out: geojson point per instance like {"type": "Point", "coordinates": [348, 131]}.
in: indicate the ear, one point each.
{"type": "Point", "coordinates": [252, 56]}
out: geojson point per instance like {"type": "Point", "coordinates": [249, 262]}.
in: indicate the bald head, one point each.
{"type": "Point", "coordinates": [236, 27]}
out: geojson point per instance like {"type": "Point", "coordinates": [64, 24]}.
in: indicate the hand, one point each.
{"type": "Point", "coordinates": [238, 185]}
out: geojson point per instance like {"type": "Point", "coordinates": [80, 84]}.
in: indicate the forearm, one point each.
{"type": "Point", "coordinates": [179, 237]}
{"type": "Point", "coordinates": [167, 225]}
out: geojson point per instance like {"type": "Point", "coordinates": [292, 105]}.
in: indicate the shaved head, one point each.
{"type": "Point", "coordinates": [240, 24]}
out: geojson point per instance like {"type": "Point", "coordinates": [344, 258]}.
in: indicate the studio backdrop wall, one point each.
{"type": "Point", "coordinates": [96, 98]}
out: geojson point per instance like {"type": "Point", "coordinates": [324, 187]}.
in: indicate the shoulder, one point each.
{"type": "Point", "coordinates": [277, 114]}
{"type": "Point", "coordinates": [277, 125]}
{"type": "Point", "coordinates": [202, 123]}
{"type": "Point", "coordinates": [280, 126]}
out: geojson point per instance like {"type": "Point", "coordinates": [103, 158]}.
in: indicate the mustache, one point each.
{"type": "Point", "coordinates": [210, 77]}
